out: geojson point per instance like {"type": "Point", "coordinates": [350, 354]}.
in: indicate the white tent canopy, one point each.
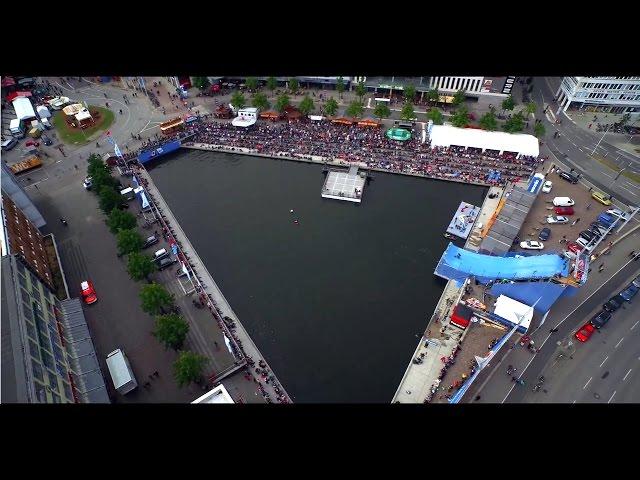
{"type": "Point", "coordinates": [514, 311]}
{"type": "Point", "coordinates": [446, 136]}
{"type": "Point", "coordinates": [23, 108]}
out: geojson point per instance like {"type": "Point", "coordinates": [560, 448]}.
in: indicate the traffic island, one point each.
{"type": "Point", "coordinates": [72, 131]}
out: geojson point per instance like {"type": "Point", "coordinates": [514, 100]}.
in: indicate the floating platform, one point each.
{"type": "Point", "coordinates": [398, 134]}
{"type": "Point", "coordinates": [462, 222]}
{"type": "Point", "coordinates": [344, 185]}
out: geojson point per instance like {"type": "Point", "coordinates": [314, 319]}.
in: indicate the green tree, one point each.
{"type": "Point", "coordinates": [201, 82]}
{"type": "Point", "coordinates": [154, 298]}
{"type": "Point", "coordinates": [407, 112]}
{"type": "Point", "coordinates": [330, 107]}
{"type": "Point", "coordinates": [251, 83]}
{"type": "Point", "coordinates": [188, 368]}
{"type": "Point", "coordinates": [436, 116]}
{"type": "Point", "coordinates": [108, 198]}
{"type": "Point", "coordinates": [260, 101]}
{"type": "Point", "coordinates": [140, 266]}
{"type": "Point", "coordinates": [340, 86]}
{"type": "Point", "coordinates": [514, 124]}
{"type": "Point", "coordinates": [508, 103]}
{"type": "Point", "coordinates": [272, 83]}
{"type": "Point", "coordinates": [433, 96]}
{"type": "Point", "coordinates": [120, 220]}
{"type": "Point", "coordinates": [459, 97]}
{"type": "Point", "coordinates": [530, 108]}
{"type": "Point", "coordinates": [489, 122]}
{"type": "Point", "coordinates": [361, 90]}
{"type": "Point", "coordinates": [382, 110]}
{"type": "Point", "coordinates": [355, 109]}
{"type": "Point", "coordinates": [238, 100]}
{"type": "Point", "coordinates": [293, 84]}
{"type": "Point", "coordinates": [409, 93]}
{"type": "Point", "coordinates": [539, 130]}
{"type": "Point", "coordinates": [129, 241]}
{"type": "Point", "coordinates": [171, 330]}
{"type": "Point", "coordinates": [306, 105]}
{"type": "Point", "coordinates": [282, 102]}
{"type": "Point", "coordinates": [461, 117]}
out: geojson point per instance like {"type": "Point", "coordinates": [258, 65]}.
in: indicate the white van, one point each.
{"type": "Point", "coordinates": [563, 202]}
{"type": "Point", "coordinates": [121, 373]}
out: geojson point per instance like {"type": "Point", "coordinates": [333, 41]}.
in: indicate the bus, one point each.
{"type": "Point", "coordinates": [172, 126]}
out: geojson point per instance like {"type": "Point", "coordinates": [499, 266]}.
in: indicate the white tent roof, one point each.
{"type": "Point", "coordinates": [243, 121]}
{"type": "Point", "coordinates": [83, 115]}
{"type": "Point", "coordinates": [217, 395]}
{"type": "Point", "coordinates": [24, 109]}
{"type": "Point", "coordinates": [445, 136]}
{"type": "Point", "coordinates": [514, 311]}
{"type": "Point", "coordinates": [43, 111]}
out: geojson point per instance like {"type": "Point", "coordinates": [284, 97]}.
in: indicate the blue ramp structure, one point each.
{"type": "Point", "coordinates": [148, 155]}
{"type": "Point", "coordinates": [457, 264]}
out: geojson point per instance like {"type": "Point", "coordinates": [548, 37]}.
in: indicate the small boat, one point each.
{"type": "Point", "coordinates": [296, 222]}
{"type": "Point", "coordinates": [448, 235]}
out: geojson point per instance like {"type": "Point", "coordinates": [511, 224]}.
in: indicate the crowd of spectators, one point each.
{"type": "Point", "coordinates": [370, 147]}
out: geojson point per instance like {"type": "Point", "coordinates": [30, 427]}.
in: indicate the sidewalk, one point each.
{"type": "Point", "coordinates": [583, 119]}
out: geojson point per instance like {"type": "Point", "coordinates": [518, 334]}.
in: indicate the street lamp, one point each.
{"type": "Point", "coordinates": [598, 144]}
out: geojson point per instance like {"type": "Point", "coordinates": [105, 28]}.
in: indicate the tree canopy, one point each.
{"type": "Point", "coordinates": [140, 266]}
{"type": "Point", "coordinates": [108, 198]}
{"type": "Point", "coordinates": [201, 82]}
{"type": "Point", "coordinates": [355, 109]}
{"type": "Point", "coordinates": [330, 107]}
{"type": "Point", "coordinates": [409, 93]}
{"type": "Point", "coordinates": [436, 116]}
{"type": "Point", "coordinates": [508, 103]}
{"type": "Point", "coordinates": [514, 124]}
{"type": "Point", "coordinates": [459, 97]}
{"type": "Point", "coordinates": [306, 105]}
{"type": "Point", "coordinates": [361, 90]}
{"type": "Point", "coordinates": [251, 83]}
{"type": "Point", "coordinates": [433, 95]}
{"type": "Point", "coordinates": [238, 100]}
{"type": "Point", "coordinates": [382, 110]}
{"type": "Point", "coordinates": [260, 101]}
{"type": "Point", "coordinates": [129, 241]}
{"type": "Point", "coordinates": [489, 122]}
{"type": "Point", "coordinates": [340, 85]}
{"type": "Point", "coordinates": [293, 84]}
{"type": "Point", "coordinates": [171, 330]}
{"type": "Point", "coordinates": [272, 83]}
{"type": "Point", "coordinates": [539, 130]}
{"type": "Point", "coordinates": [282, 102]}
{"type": "Point", "coordinates": [461, 117]}
{"type": "Point", "coordinates": [407, 112]}
{"type": "Point", "coordinates": [154, 298]}
{"type": "Point", "coordinates": [188, 367]}
{"type": "Point", "coordinates": [120, 220]}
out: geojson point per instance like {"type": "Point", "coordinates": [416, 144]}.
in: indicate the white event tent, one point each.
{"type": "Point", "coordinates": [522, 144]}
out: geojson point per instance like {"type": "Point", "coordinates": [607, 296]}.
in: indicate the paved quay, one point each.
{"type": "Point", "coordinates": [440, 339]}
{"type": "Point", "coordinates": [212, 289]}
{"type": "Point", "coordinates": [314, 159]}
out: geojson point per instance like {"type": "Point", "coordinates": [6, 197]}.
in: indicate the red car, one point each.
{"type": "Point", "coordinates": [574, 247]}
{"type": "Point", "coordinates": [564, 210]}
{"type": "Point", "coordinates": [88, 292]}
{"type": "Point", "coordinates": [585, 332]}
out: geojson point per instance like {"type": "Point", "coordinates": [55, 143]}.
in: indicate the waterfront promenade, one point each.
{"type": "Point", "coordinates": [211, 288]}
{"type": "Point", "coordinates": [440, 339]}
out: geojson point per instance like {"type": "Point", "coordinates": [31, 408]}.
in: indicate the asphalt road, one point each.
{"type": "Point", "coordinates": [574, 146]}
{"type": "Point", "coordinates": [567, 315]}
{"type": "Point", "coordinates": [603, 370]}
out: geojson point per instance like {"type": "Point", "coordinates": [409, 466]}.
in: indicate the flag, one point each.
{"type": "Point", "coordinates": [117, 150]}
{"type": "Point", "coordinates": [228, 343]}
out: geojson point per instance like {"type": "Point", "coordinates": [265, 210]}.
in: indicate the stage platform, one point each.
{"type": "Point", "coordinates": [341, 185]}
{"type": "Point", "coordinates": [463, 220]}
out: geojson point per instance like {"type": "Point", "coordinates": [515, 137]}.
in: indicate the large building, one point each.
{"type": "Point", "coordinates": [600, 94]}
{"type": "Point", "coordinates": [474, 87]}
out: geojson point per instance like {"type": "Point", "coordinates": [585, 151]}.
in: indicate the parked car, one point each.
{"type": "Point", "coordinates": [601, 228]}
{"type": "Point", "coordinates": [9, 144]}
{"type": "Point", "coordinates": [596, 231]}
{"type": "Point", "coordinates": [601, 319]}
{"type": "Point", "coordinates": [587, 235]}
{"type": "Point", "coordinates": [152, 240]}
{"type": "Point", "coordinates": [585, 332]}
{"type": "Point", "coordinates": [47, 141]}
{"type": "Point", "coordinates": [548, 185]}
{"type": "Point", "coordinates": [569, 177]}
{"type": "Point", "coordinates": [617, 213]}
{"type": "Point", "coordinates": [557, 219]}
{"type": "Point", "coordinates": [564, 210]}
{"type": "Point", "coordinates": [165, 262]}
{"type": "Point", "coordinates": [601, 197]}
{"type": "Point", "coordinates": [531, 245]}
{"type": "Point", "coordinates": [629, 292]}
{"type": "Point", "coordinates": [584, 243]}
{"type": "Point", "coordinates": [87, 183]}
{"type": "Point", "coordinates": [614, 303]}
{"type": "Point", "coordinates": [88, 292]}
{"type": "Point", "coordinates": [575, 247]}
{"type": "Point", "coordinates": [544, 235]}
{"type": "Point", "coordinates": [636, 281]}
{"type": "Point", "coordinates": [563, 202]}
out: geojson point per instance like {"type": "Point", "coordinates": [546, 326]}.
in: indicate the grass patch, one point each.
{"type": "Point", "coordinates": [76, 136]}
{"type": "Point", "coordinates": [614, 166]}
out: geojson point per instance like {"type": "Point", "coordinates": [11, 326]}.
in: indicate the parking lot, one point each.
{"type": "Point", "coordinates": [586, 210]}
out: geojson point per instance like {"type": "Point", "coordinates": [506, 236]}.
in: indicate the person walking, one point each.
{"type": "Point", "coordinates": [601, 267]}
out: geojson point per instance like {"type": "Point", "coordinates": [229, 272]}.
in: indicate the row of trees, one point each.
{"type": "Point", "coordinates": [170, 329]}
